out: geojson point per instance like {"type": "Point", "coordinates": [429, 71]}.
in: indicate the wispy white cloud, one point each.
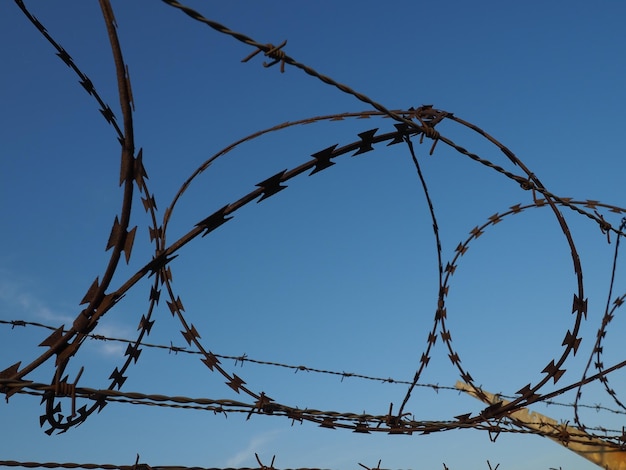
{"type": "Point", "coordinates": [26, 305]}
{"type": "Point", "coordinates": [256, 445]}
{"type": "Point", "coordinates": [17, 302]}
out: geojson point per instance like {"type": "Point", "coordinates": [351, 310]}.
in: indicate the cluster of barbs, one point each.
{"type": "Point", "coordinates": [411, 124]}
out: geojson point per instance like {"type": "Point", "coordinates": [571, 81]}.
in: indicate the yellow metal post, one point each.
{"type": "Point", "coordinates": [595, 450]}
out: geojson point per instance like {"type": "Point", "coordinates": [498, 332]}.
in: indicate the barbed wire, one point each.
{"type": "Point", "coordinates": [272, 186]}
{"type": "Point", "coordinates": [241, 359]}
{"type": "Point", "coordinates": [268, 188]}
{"type": "Point", "coordinates": [411, 123]}
{"type": "Point", "coordinates": [144, 466]}
{"type": "Point", "coordinates": [365, 423]}
{"type": "Point", "coordinates": [92, 466]}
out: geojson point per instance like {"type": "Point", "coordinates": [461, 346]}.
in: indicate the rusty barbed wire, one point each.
{"type": "Point", "coordinates": [144, 466]}
{"type": "Point", "coordinates": [141, 466]}
{"type": "Point", "coordinates": [120, 239]}
{"type": "Point", "coordinates": [609, 314]}
{"type": "Point", "coordinates": [278, 55]}
{"type": "Point", "coordinates": [238, 359]}
{"type": "Point", "coordinates": [427, 125]}
{"type": "Point", "coordinates": [343, 374]}
{"type": "Point", "coordinates": [175, 304]}
{"type": "Point", "coordinates": [423, 121]}
{"type": "Point", "coordinates": [329, 419]}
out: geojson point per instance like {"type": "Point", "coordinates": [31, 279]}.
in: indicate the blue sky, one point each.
{"type": "Point", "coordinates": [339, 271]}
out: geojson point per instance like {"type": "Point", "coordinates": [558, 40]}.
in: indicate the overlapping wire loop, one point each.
{"type": "Point", "coordinates": [409, 126]}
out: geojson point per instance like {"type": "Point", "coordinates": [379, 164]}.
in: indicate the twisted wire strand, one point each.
{"type": "Point", "coordinates": [525, 183]}
{"type": "Point", "coordinates": [143, 466]}
{"type": "Point", "coordinates": [373, 423]}
{"type": "Point", "coordinates": [230, 406]}
{"type": "Point", "coordinates": [275, 52]}
{"type": "Point", "coordinates": [436, 387]}
{"type": "Point", "coordinates": [237, 359]}
{"type": "Point", "coordinates": [140, 466]}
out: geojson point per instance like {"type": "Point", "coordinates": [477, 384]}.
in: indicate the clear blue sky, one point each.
{"type": "Point", "coordinates": [337, 272]}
